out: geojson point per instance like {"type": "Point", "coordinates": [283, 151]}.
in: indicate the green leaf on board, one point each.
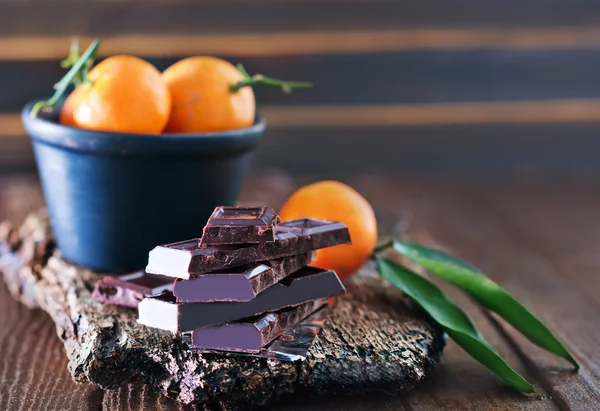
{"type": "Point", "coordinates": [487, 293]}
{"type": "Point", "coordinates": [455, 322]}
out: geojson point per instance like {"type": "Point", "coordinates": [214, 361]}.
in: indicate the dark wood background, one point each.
{"type": "Point", "coordinates": [401, 87]}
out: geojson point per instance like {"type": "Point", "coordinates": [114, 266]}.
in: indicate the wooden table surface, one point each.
{"type": "Point", "coordinates": [539, 238]}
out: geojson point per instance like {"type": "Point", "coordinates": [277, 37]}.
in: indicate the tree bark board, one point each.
{"type": "Point", "coordinates": [456, 217]}
{"type": "Point", "coordinates": [373, 340]}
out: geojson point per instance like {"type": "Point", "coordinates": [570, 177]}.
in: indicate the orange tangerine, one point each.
{"type": "Point", "coordinates": [335, 201]}
{"type": "Point", "coordinates": [202, 99]}
{"type": "Point", "coordinates": [126, 94]}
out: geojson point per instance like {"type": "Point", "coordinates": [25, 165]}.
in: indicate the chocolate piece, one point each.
{"type": "Point", "coordinates": [292, 345]}
{"type": "Point", "coordinates": [240, 283]}
{"type": "Point", "coordinates": [129, 289]}
{"type": "Point", "coordinates": [308, 284]}
{"type": "Point", "coordinates": [240, 225]}
{"type": "Point", "coordinates": [251, 334]}
{"type": "Point", "coordinates": [188, 259]}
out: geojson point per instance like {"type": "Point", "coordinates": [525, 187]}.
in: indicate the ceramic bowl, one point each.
{"type": "Point", "coordinates": [112, 197]}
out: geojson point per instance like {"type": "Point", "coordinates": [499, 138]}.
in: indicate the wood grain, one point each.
{"type": "Point", "coordinates": [521, 112]}
{"type": "Point", "coordinates": [313, 43]}
{"type": "Point", "coordinates": [434, 114]}
{"type": "Point", "coordinates": [33, 369]}
{"type": "Point", "coordinates": [572, 251]}
{"type": "Point", "coordinates": [404, 151]}
{"type": "Point", "coordinates": [418, 151]}
{"type": "Point", "coordinates": [109, 17]}
{"type": "Point", "coordinates": [135, 397]}
{"type": "Point", "coordinates": [519, 267]}
{"type": "Point", "coordinates": [375, 78]}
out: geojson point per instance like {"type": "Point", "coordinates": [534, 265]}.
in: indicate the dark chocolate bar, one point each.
{"type": "Point", "coordinates": [292, 345]}
{"type": "Point", "coordinates": [129, 289]}
{"type": "Point", "coordinates": [308, 284]}
{"type": "Point", "coordinates": [240, 225]}
{"type": "Point", "coordinates": [188, 259]}
{"type": "Point", "coordinates": [240, 283]}
{"type": "Point", "coordinates": [252, 334]}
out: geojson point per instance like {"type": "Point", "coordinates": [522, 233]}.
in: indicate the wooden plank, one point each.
{"type": "Point", "coordinates": [378, 78]}
{"type": "Point", "coordinates": [469, 228]}
{"type": "Point", "coordinates": [19, 193]}
{"type": "Point", "coordinates": [433, 114]}
{"type": "Point", "coordinates": [379, 401]}
{"type": "Point", "coordinates": [471, 150]}
{"type": "Point", "coordinates": [33, 370]}
{"type": "Point", "coordinates": [15, 153]}
{"type": "Point", "coordinates": [458, 382]}
{"type": "Point", "coordinates": [314, 43]}
{"type": "Point", "coordinates": [139, 398]}
{"type": "Point", "coordinates": [136, 397]}
{"type": "Point", "coordinates": [571, 241]}
{"type": "Point", "coordinates": [110, 17]}
{"type": "Point", "coordinates": [513, 112]}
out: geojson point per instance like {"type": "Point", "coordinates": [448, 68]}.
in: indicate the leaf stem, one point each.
{"type": "Point", "coordinates": [382, 247]}
{"type": "Point", "coordinates": [68, 78]}
{"type": "Point", "coordinates": [261, 80]}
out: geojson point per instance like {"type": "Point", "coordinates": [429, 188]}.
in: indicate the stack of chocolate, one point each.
{"type": "Point", "coordinates": [240, 286]}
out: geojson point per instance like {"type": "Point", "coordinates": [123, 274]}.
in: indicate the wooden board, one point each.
{"type": "Point", "coordinates": [373, 339]}
{"type": "Point", "coordinates": [108, 18]}
{"type": "Point", "coordinates": [376, 78]}
{"type": "Point", "coordinates": [537, 237]}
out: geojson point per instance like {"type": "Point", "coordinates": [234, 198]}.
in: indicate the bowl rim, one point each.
{"type": "Point", "coordinates": [43, 129]}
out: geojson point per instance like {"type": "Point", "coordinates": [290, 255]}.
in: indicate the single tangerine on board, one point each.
{"type": "Point", "coordinates": [126, 94]}
{"type": "Point", "coordinates": [202, 99]}
{"type": "Point", "coordinates": [335, 201]}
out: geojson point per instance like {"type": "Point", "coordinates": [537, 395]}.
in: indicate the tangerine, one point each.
{"type": "Point", "coordinates": [67, 112]}
{"type": "Point", "coordinates": [335, 201]}
{"type": "Point", "coordinates": [126, 94]}
{"type": "Point", "coordinates": [202, 99]}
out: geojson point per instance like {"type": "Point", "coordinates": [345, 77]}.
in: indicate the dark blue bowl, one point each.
{"type": "Point", "coordinates": [112, 197]}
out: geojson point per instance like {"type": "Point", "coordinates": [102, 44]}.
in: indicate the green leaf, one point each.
{"type": "Point", "coordinates": [487, 293]}
{"type": "Point", "coordinates": [452, 319]}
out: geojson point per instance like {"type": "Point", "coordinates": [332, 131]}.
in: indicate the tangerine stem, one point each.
{"type": "Point", "coordinates": [73, 56]}
{"type": "Point", "coordinates": [71, 59]}
{"type": "Point", "coordinates": [242, 69]}
{"type": "Point", "coordinates": [67, 79]}
{"type": "Point", "coordinates": [261, 80]}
